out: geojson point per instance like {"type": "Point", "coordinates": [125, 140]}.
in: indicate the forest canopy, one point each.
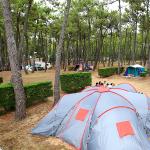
{"type": "Point", "coordinates": [93, 32]}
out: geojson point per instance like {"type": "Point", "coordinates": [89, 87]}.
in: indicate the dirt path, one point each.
{"type": "Point", "coordinates": [17, 135]}
{"type": "Point", "coordinates": [141, 84]}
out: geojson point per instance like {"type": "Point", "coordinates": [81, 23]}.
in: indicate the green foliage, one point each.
{"type": "Point", "coordinates": [1, 80]}
{"type": "Point", "coordinates": [87, 20]}
{"type": "Point", "coordinates": [36, 92]}
{"type": "Point", "coordinates": [71, 83]}
{"type": "Point", "coordinates": [7, 97]}
{"type": "Point", "coordinates": [144, 74]}
{"type": "Point", "coordinates": [107, 72]}
{"type": "Point", "coordinates": [122, 69]}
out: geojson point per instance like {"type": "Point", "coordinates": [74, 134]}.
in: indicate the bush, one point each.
{"type": "Point", "coordinates": [121, 69]}
{"type": "Point", "coordinates": [107, 72]}
{"type": "Point", "coordinates": [36, 92]}
{"type": "Point", "coordinates": [70, 68]}
{"type": "Point", "coordinates": [71, 83]}
{"type": "Point", "coordinates": [1, 80]}
{"type": "Point", "coordinates": [144, 74]}
{"type": "Point", "coordinates": [7, 97]}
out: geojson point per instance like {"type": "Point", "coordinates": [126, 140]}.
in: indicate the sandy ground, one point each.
{"type": "Point", "coordinates": [141, 84]}
{"type": "Point", "coordinates": [16, 135]}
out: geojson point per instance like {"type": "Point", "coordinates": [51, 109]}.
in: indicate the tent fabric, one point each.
{"type": "Point", "coordinates": [139, 101]}
{"type": "Point", "coordinates": [126, 87]}
{"type": "Point", "coordinates": [147, 125]}
{"type": "Point", "coordinates": [96, 120]}
{"type": "Point", "coordinates": [134, 70]}
{"type": "Point", "coordinates": [123, 86]}
{"type": "Point", "coordinates": [137, 66]}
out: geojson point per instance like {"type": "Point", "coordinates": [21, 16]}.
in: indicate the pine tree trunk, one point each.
{"type": "Point", "coordinates": [23, 35]}
{"type": "Point", "coordinates": [67, 53]}
{"type": "Point", "coordinates": [15, 69]}
{"type": "Point", "coordinates": [58, 54]}
{"type": "Point", "coordinates": [98, 49]}
{"type": "Point", "coordinates": [120, 38]}
{"type": "Point", "coordinates": [89, 37]}
{"type": "Point", "coordinates": [1, 62]}
{"type": "Point", "coordinates": [46, 52]}
{"type": "Point", "coordinates": [18, 29]}
{"type": "Point", "coordinates": [147, 32]}
{"type": "Point", "coordinates": [134, 43]}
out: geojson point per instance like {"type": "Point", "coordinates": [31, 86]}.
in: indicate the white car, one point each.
{"type": "Point", "coordinates": [42, 64]}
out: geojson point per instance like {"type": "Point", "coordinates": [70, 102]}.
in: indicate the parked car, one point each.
{"type": "Point", "coordinates": [42, 65]}
{"type": "Point", "coordinates": [38, 66]}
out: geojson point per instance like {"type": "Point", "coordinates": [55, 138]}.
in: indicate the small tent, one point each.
{"type": "Point", "coordinates": [134, 70]}
{"type": "Point", "coordinates": [99, 119]}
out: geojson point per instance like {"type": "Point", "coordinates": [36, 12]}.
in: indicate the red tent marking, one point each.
{"type": "Point", "coordinates": [81, 115]}
{"type": "Point", "coordinates": [124, 128]}
{"type": "Point", "coordinates": [103, 89]}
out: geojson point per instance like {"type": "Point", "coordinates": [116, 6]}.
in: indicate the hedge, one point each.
{"type": "Point", "coordinates": [35, 92]}
{"type": "Point", "coordinates": [106, 72]}
{"type": "Point", "coordinates": [144, 74]}
{"type": "Point", "coordinates": [1, 80]}
{"type": "Point", "coordinates": [71, 83]}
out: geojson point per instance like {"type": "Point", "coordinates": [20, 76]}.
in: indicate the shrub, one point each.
{"type": "Point", "coordinates": [7, 97]}
{"type": "Point", "coordinates": [35, 92]}
{"type": "Point", "coordinates": [144, 74]}
{"type": "Point", "coordinates": [121, 69]}
{"type": "Point", "coordinates": [71, 83]}
{"type": "Point", "coordinates": [70, 68]}
{"type": "Point", "coordinates": [107, 72]}
{"type": "Point", "coordinates": [1, 80]}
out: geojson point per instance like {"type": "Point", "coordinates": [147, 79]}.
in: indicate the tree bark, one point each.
{"type": "Point", "coordinates": [120, 38]}
{"type": "Point", "coordinates": [134, 43]}
{"type": "Point", "coordinates": [46, 52]}
{"type": "Point", "coordinates": [15, 69]}
{"type": "Point", "coordinates": [1, 62]}
{"type": "Point", "coordinates": [24, 34]}
{"type": "Point", "coordinates": [18, 30]}
{"type": "Point", "coordinates": [147, 32]}
{"type": "Point", "coordinates": [58, 54]}
{"type": "Point", "coordinates": [98, 48]}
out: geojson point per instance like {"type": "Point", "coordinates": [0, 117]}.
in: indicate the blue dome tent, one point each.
{"type": "Point", "coordinates": [134, 70]}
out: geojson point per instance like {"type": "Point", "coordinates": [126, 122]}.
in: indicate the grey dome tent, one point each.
{"type": "Point", "coordinates": [127, 87]}
{"type": "Point", "coordinates": [99, 119]}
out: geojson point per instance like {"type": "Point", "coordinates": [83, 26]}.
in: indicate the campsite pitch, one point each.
{"type": "Point", "coordinates": [16, 135]}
